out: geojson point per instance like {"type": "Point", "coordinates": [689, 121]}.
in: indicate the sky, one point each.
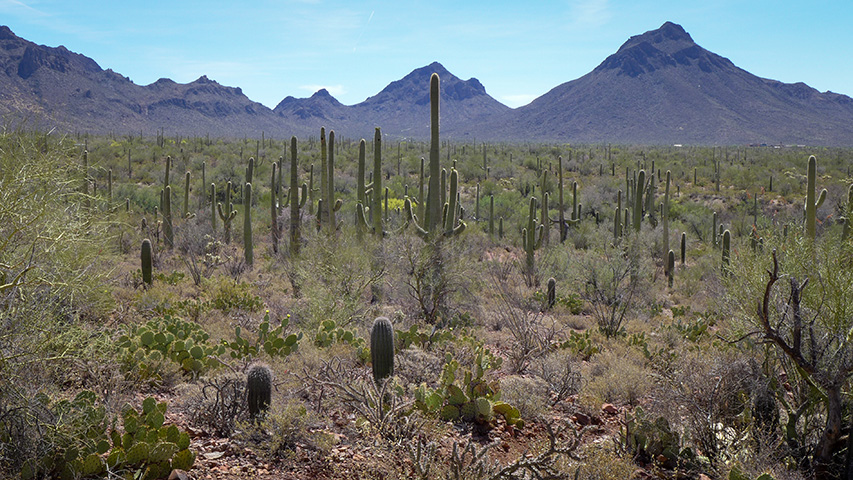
{"type": "Point", "coordinates": [518, 49]}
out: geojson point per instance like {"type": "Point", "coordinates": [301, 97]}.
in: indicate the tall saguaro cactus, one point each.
{"type": "Point", "coordinates": [248, 244]}
{"type": "Point", "coordinates": [294, 200]}
{"type": "Point", "coordinates": [813, 202]}
{"type": "Point", "coordinates": [273, 211]}
{"type": "Point", "coordinates": [848, 215]}
{"type": "Point", "coordinates": [432, 221]}
{"type": "Point", "coordinates": [375, 209]}
{"type": "Point", "coordinates": [639, 187]}
{"type": "Point", "coordinates": [665, 215]}
{"type": "Point", "coordinates": [531, 236]}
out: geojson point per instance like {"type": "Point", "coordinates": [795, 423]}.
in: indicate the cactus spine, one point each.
{"type": "Point", "coordinates": [147, 262]}
{"type": "Point", "coordinates": [259, 390]}
{"type": "Point", "coordinates": [812, 202]}
{"type": "Point", "coordinates": [382, 349]}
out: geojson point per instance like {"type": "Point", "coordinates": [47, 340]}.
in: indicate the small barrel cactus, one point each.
{"type": "Point", "coordinates": [382, 348]}
{"type": "Point", "coordinates": [259, 390]}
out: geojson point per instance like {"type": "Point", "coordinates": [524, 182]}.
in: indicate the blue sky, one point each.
{"type": "Point", "coordinates": [518, 50]}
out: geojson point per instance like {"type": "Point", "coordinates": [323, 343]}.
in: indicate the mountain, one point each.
{"type": "Point", "coordinates": [401, 108]}
{"type": "Point", "coordinates": [658, 88]}
{"type": "Point", "coordinates": [53, 87]}
{"type": "Point", "coordinates": [662, 88]}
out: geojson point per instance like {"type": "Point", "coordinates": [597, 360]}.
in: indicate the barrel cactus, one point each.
{"type": "Point", "coordinates": [259, 390]}
{"type": "Point", "coordinates": [382, 348]}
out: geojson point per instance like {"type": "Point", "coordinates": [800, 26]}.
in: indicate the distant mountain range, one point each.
{"type": "Point", "coordinates": [658, 88]}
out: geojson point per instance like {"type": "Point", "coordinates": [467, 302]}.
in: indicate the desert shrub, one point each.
{"type": "Point", "coordinates": [602, 463]}
{"type": "Point", "coordinates": [529, 394]}
{"type": "Point", "coordinates": [617, 375]}
{"type": "Point", "coordinates": [217, 403]}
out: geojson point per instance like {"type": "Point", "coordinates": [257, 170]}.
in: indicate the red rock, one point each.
{"type": "Point", "coordinates": [609, 409]}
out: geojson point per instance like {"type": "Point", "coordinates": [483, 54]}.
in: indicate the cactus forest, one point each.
{"type": "Point", "coordinates": [282, 307]}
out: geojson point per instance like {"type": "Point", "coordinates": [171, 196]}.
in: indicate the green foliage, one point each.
{"type": "Point", "coordinates": [272, 342]}
{"type": "Point", "coordinates": [573, 303]}
{"type": "Point", "coordinates": [173, 278]}
{"type": "Point", "coordinates": [581, 344]}
{"type": "Point", "coordinates": [145, 349]}
{"type": "Point", "coordinates": [328, 334]}
{"type": "Point", "coordinates": [466, 394]}
{"type": "Point", "coordinates": [144, 448]}
{"type": "Point", "coordinates": [229, 296]}
{"type": "Point", "coordinates": [652, 439]}
{"type": "Point", "coordinates": [423, 340]}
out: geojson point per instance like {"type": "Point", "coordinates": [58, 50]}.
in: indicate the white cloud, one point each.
{"type": "Point", "coordinates": [590, 13]}
{"type": "Point", "coordinates": [335, 90]}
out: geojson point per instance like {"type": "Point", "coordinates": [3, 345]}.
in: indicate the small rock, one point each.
{"type": "Point", "coordinates": [178, 475]}
{"type": "Point", "coordinates": [609, 409]}
{"type": "Point", "coordinates": [581, 419]}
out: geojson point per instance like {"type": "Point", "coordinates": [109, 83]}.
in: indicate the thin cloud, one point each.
{"type": "Point", "coordinates": [590, 13]}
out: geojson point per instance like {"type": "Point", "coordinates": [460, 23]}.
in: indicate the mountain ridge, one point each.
{"type": "Point", "coordinates": [659, 87]}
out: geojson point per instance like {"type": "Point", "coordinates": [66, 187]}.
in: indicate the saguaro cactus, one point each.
{"type": "Point", "coordinates": [552, 292]}
{"type": "Point", "coordinates": [432, 220]}
{"type": "Point", "coordinates": [665, 214]}
{"type": "Point", "coordinates": [382, 349]}
{"type": "Point", "coordinates": [670, 267]}
{"type": "Point", "coordinates": [228, 215]}
{"type": "Point", "coordinates": [248, 245]}
{"type": "Point", "coordinates": [213, 206]}
{"type": "Point", "coordinates": [848, 215]}
{"type": "Point", "coordinates": [273, 211]}
{"type": "Point", "coordinates": [329, 203]}
{"type": "Point", "coordinates": [294, 200]}
{"type": "Point", "coordinates": [147, 262]}
{"type": "Point", "coordinates": [259, 390]}
{"type": "Point", "coordinates": [812, 204]}
{"type": "Point", "coordinates": [168, 233]}
{"type": "Point", "coordinates": [531, 236]}
{"type": "Point", "coordinates": [727, 242]}
{"type": "Point", "coordinates": [375, 209]}
{"type": "Point", "coordinates": [639, 187]}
